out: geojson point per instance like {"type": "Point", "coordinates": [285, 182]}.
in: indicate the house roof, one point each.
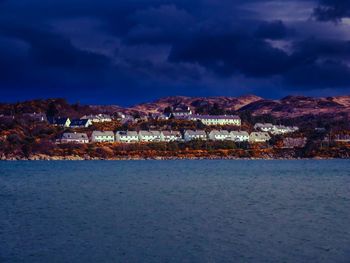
{"type": "Point", "coordinates": [149, 133]}
{"type": "Point", "coordinates": [239, 133]}
{"type": "Point", "coordinates": [57, 121]}
{"type": "Point", "coordinates": [79, 122]}
{"type": "Point", "coordinates": [221, 132]}
{"type": "Point", "coordinates": [74, 136]}
{"type": "Point", "coordinates": [196, 133]}
{"type": "Point", "coordinates": [216, 117]}
{"type": "Point", "coordinates": [171, 133]}
{"type": "Point", "coordinates": [127, 133]}
{"type": "Point", "coordinates": [102, 133]}
{"type": "Point", "coordinates": [97, 116]}
{"type": "Point", "coordinates": [263, 125]}
{"type": "Point", "coordinates": [260, 135]}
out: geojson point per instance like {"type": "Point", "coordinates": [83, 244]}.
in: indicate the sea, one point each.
{"type": "Point", "coordinates": [175, 211]}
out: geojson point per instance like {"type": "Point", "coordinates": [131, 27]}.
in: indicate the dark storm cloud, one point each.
{"type": "Point", "coordinates": [332, 10]}
{"type": "Point", "coordinates": [272, 30]}
{"type": "Point", "coordinates": [322, 74]}
{"type": "Point", "coordinates": [227, 54]}
{"type": "Point", "coordinates": [50, 49]}
{"type": "Point", "coordinates": [171, 47]}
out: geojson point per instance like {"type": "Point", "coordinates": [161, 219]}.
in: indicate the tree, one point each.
{"type": "Point", "coordinates": [216, 110]}
{"type": "Point", "coordinates": [52, 110]}
{"type": "Point", "coordinates": [168, 110]}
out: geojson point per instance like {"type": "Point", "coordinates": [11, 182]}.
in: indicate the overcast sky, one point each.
{"type": "Point", "coordinates": [127, 51]}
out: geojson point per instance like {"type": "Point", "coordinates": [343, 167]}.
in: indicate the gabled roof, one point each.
{"type": "Point", "coordinates": [74, 136]}
{"type": "Point", "coordinates": [149, 133]}
{"type": "Point", "coordinates": [145, 133]}
{"type": "Point", "coordinates": [127, 133]}
{"type": "Point", "coordinates": [171, 133]}
{"type": "Point", "coordinates": [57, 121]}
{"type": "Point", "coordinates": [221, 132]}
{"type": "Point", "coordinates": [97, 116]}
{"type": "Point", "coordinates": [102, 133]}
{"type": "Point", "coordinates": [239, 133]}
{"type": "Point", "coordinates": [216, 117]}
{"type": "Point", "coordinates": [196, 133]}
{"type": "Point", "coordinates": [263, 125]}
{"type": "Point", "coordinates": [260, 135]}
{"type": "Point", "coordinates": [79, 122]}
{"type": "Point", "coordinates": [155, 133]}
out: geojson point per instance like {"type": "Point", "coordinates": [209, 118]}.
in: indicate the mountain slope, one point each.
{"type": "Point", "coordinates": [298, 106]}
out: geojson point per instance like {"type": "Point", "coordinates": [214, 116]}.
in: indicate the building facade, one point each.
{"type": "Point", "coordinates": [239, 136]}
{"type": "Point", "coordinates": [74, 137]}
{"type": "Point", "coordinates": [259, 137]}
{"type": "Point", "coordinates": [190, 135]}
{"type": "Point", "coordinates": [221, 135]}
{"type": "Point", "coordinates": [102, 136]}
{"type": "Point", "coordinates": [170, 136]}
{"type": "Point", "coordinates": [127, 136]}
{"type": "Point", "coordinates": [217, 119]}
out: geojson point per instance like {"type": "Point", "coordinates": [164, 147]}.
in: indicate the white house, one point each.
{"type": "Point", "coordinates": [74, 137]}
{"type": "Point", "coordinates": [102, 136]}
{"type": "Point", "coordinates": [217, 119]}
{"type": "Point", "coordinates": [182, 111]}
{"type": "Point", "coordinates": [98, 118]}
{"type": "Point", "coordinates": [259, 137]}
{"type": "Point", "coordinates": [127, 136]}
{"type": "Point", "coordinates": [274, 129]}
{"type": "Point", "coordinates": [221, 135]}
{"type": "Point", "coordinates": [281, 129]}
{"type": "Point", "coordinates": [195, 135]}
{"type": "Point", "coordinates": [265, 127]}
{"type": "Point", "coordinates": [239, 136]}
{"type": "Point", "coordinates": [149, 136]}
{"type": "Point", "coordinates": [342, 138]}
{"type": "Point", "coordinates": [170, 136]}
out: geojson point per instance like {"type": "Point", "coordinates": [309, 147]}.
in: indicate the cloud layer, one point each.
{"type": "Point", "coordinates": [131, 51]}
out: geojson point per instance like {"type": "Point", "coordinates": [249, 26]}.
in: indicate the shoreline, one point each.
{"type": "Point", "coordinates": [156, 158]}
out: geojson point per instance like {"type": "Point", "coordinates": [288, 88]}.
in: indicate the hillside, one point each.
{"type": "Point", "coordinates": [299, 106]}
{"type": "Point", "coordinates": [227, 103]}
{"type": "Point", "coordinates": [290, 107]}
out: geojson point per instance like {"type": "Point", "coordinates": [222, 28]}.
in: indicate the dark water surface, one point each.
{"type": "Point", "coordinates": [175, 211]}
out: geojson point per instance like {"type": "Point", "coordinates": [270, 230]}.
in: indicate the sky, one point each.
{"type": "Point", "coordinates": [131, 51]}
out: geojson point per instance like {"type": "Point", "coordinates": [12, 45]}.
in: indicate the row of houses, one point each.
{"type": "Point", "coordinates": [212, 119]}
{"type": "Point", "coordinates": [275, 129]}
{"type": "Point", "coordinates": [86, 121]}
{"type": "Point", "coordinates": [67, 122]}
{"type": "Point", "coordinates": [164, 136]}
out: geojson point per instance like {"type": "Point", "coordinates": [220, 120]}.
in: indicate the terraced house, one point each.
{"type": "Point", "coordinates": [127, 136]}
{"type": "Point", "coordinates": [217, 119]}
{"type": "Point", "coordinates": [74, 137]}
{"type": "Point", "coordinates": [259, 137]}
{"type": "Point", "coordinates": [239, 136]}
{"type": "Point", "coordinates": [221, 135]}
{"type": "Point", "coordinates": [98, 118]}
{"type": "Point", "coordinates": [170, 136]}
{"type": "Point", "coordinates": [190, 135]}
{"type": "Point", "coordinates": [102, 136]}
{"type": "Point", "coordinates": [149, 136]}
